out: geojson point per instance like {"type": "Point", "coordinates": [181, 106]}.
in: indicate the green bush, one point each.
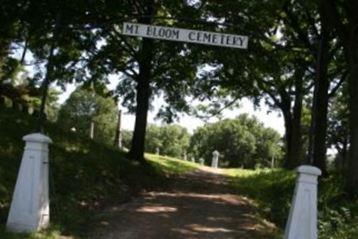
{"type": "Point", "coordinates": [338, 215]}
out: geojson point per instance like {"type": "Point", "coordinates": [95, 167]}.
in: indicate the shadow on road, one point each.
{"type": "Point", "coordinates": [199, 205]}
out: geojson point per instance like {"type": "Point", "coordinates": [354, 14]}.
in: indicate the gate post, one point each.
{"type": "Point", "coordinates": [302, 220]}
{"type": "Point", "coordinates": [29, 209]}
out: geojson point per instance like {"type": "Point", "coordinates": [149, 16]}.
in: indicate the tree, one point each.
{"type": "Point", "coordinates": [288, 54]}
{"type": "Point", "coordinates": [242, 142]}
{"type": "Point", "coordinates": [54, 32]}
{"type": "Point", "coordinates": [275, 67]}
{"type": "Point", "coordinates": [171, 140]}
{"type": "Point", "coordinates": [338, 128]}
{"type": "Point", "coordinates": [19, 88]}
{"type": "Point", "coordinates": [84, 107]}
{"type": "Point", "coordinates": [148, 67]}
{"type": "Point", "coordinates": [342, 16]}
{"type": "Point", "coordinates": [9, 13]}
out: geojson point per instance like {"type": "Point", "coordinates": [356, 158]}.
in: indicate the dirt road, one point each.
{"type": "Point", "coordinates": [199, 205]}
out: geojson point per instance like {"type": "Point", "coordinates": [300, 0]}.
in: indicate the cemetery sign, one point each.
{"type": "Point", "coordinates": [185, 35]}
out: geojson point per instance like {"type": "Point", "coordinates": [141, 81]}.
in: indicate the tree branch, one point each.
{"type": "Point", "coordinates": [338, 85]}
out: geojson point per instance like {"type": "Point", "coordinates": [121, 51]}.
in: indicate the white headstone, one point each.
{"type": "Point", "coordinates": [92, 130]}
{"type": "Point", "coordinates": [185, 156]}
{"type": "Point", "coordinates": [201, 161]}
{"type": "Point", "coordinates": [215, 159]}
{"type": "Point", "coordinates": [302, 220]}
{"type": "Point", "coordinates": [157, 151]}
{"type": "Point", "coordinates": [193, 159]}
{"type": "Point", "coordinates": [29, 210]}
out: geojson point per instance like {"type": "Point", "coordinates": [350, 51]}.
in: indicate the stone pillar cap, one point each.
{"type": "Point", "coordinates": [307, 169]}
{"type": "Point", "coordinates": [37, 137]}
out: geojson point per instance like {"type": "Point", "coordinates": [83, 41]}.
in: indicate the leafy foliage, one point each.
{"type": "Point", "coordinates": [338, 128]}
{"type": "Point", "coordinates": [86, 106]}
{"type": "Point", "coordinates": [171, 140]}
{"type": "Point", "coordinates": [242, 142]}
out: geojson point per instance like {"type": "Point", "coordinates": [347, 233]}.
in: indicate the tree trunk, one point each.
{"type": "Point", "coordinates": [143, 94]}
{"type": "Point", "coordinates": [293, 139]}
{"type": "Point", "coordinates": [293, 127]}
{"type": "Point", "coordinates": [344, 154]}
{"type": "Point", "coordinates": [145, 55]}
{"type": "Point", "coordinates": [296, 150]}
{"type": "Point", "coordinates": [318, 138]}
{"type": "Point", "coordinates": [352, 174]}
{"type": "Point", "coordinates": [288, 138]}
{"type": "Point", "coordinates": [341, 157]}
{"type": "Point", "coordinates": [290, 159]}
{"type": "Point", "coordinates": [48, 77]}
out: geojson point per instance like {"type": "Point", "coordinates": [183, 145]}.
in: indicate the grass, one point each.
{"type": "Point", "coordinates": [170, 165]}
{"type": "Point", "coordinates": [272, 191]}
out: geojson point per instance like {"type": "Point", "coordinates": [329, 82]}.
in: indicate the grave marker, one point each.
{"type": "Point", "coordinates": [215, 159]}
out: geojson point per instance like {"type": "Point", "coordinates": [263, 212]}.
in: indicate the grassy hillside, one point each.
{"type": "Point", "coordinates": [85, 176]}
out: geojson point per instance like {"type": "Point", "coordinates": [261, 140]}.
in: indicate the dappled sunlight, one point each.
{"type": "Point", "coordinates": [203, 228]}
{"type": "Point", "coordinates": [219, 219]}
{"type": "Point", "coordinates": [156, 209]}
{"type": "Point", "coordinates": [199, 206]}
{"type": "Point", "coordinates": [171, 165]}
{"type": "Point", "coordinates": [224, 198]}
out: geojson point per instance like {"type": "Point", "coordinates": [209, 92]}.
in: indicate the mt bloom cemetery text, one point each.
{"type": "Point", "coordinates": [185, 35]}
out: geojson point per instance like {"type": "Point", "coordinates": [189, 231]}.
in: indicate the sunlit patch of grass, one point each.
{"type": "Point", "coordinates": [242, 173]}
{"type": "Point", "coordinates": [171, 165]}
{"type": "Point", "coordinates": [271, 189]}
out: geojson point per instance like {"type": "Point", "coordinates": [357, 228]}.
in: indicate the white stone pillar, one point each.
{"type": "Point", "coordinates": [215, 159]}
{"type": "Point", "coordinates": [29, 211]}
{"type": "Point", "coordinates": [302, 220]}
